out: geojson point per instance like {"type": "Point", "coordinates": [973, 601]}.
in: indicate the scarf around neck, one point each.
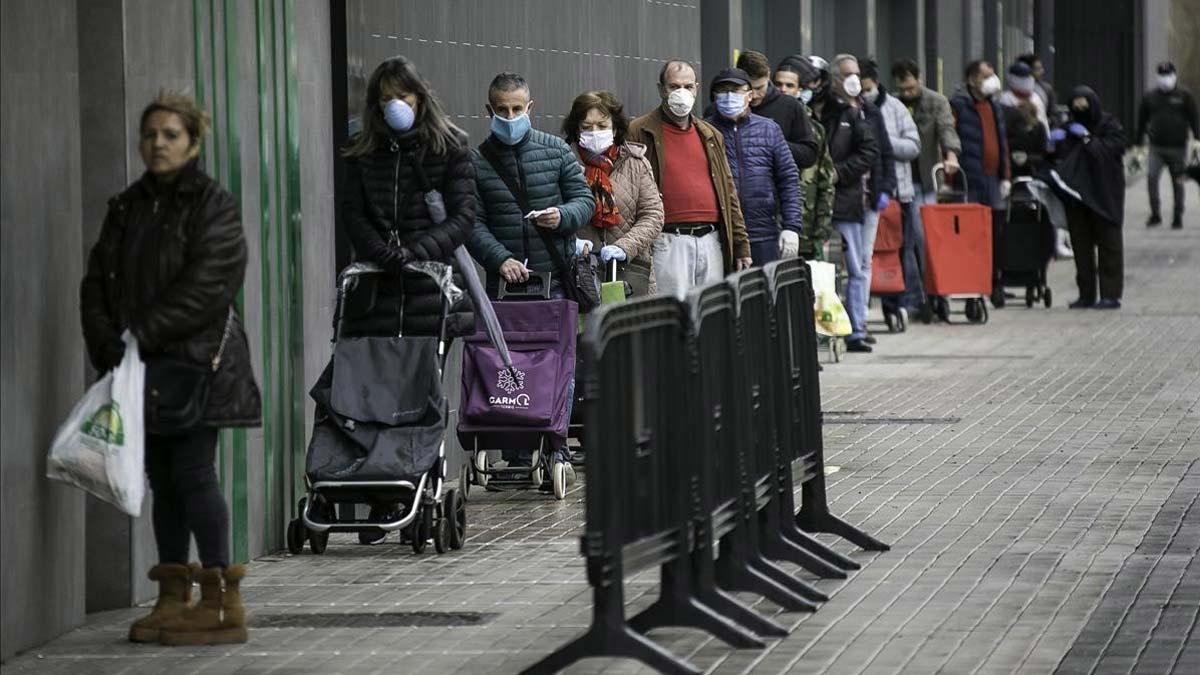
{"type": "Point", "coordinates": [597, 169]}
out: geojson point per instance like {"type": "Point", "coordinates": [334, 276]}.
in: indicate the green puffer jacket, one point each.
{"type": "Point", "coordinates": [546, 167]}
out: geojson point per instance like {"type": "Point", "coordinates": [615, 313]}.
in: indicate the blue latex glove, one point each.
{"type": "Point", "coordinates": [884, 200]}
{"type": "Point", "coordinates": [1077, 129]}
{"type": "Point", "coordinates": [611, 252]}
{"type": "Point", "coordinates": [1058, 135]}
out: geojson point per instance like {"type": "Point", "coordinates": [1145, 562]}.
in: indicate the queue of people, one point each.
{"type": "Point", "coordinates": [782, 160]}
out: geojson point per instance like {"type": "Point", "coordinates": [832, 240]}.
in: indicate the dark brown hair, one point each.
{"type": "Point", "coordinates": [604, 101]}
{"type": "Point", "coordinates": [437, 132]}
{"type": "Point", "coordinates": [754, 63]}
{"type": "Point", "coordinates": [194, 118]}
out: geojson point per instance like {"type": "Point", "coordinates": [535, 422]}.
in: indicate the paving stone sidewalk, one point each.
{"type": "Point", "coordinates": [1038, 479]}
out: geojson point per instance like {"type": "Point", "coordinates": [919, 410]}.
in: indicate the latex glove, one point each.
{"type": "Point", "coordinates": [1058, 135]}
{"type": "Point", "coordinates": [883, 202]}
{"type": "Point", "coordinates": [611, 252]}
{"type": "Point", "coordinates": [1077, 129]}
{"type": "Point", "coordinates": [582, 247]}
{"type": "Point", "coordinates": [1005, 188]}
{"type": "Point", "coordinates": [789, 244]}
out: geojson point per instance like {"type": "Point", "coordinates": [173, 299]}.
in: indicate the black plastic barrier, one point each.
{"type": "Point", "coordinates": [696, 413]}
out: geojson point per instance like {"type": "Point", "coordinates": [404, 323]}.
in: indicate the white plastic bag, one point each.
{"type": "Point", "coordinates": [100, 448]}
{"type": "Point", "coordinates": [831, 317]}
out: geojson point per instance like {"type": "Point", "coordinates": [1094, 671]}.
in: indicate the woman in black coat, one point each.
{"type": "Point", "coordinates": [408, 147]}
{"type": "Point", "coordinates": [167, 268]}
{"type": "Point", "coordinates": [1090, 179]}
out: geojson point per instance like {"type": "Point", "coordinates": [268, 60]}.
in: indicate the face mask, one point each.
{"type": "Point", "coordinates": [596, 142]}
{"type": "Point", "coordinates": [852, 85]}
{"type": "Point", "coordinates": [1167, 82]}
{"type": "Point", "coordinates": [991, 86]}
{"type": "Point", "coordinates": [731, 103]}
{"type": "Point", "coordinates": [510, 132]}
{"type": "Point", "coordinates": [680, 102]}
{"type": "Point", "coordinates": [872, 95]}
{"type": "Point", "coordinates": [806, 96]}
{"type": "Point", "coordinates": [398, 115]}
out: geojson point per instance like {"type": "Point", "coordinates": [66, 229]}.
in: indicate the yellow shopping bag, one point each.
{"type": "Point", "coordinates": [831, 317]}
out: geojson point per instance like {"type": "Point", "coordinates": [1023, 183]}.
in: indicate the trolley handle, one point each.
{"type": "Point", "coordinates": [536, 287]}
{"type": "Point", "coordinates": [940, 168]}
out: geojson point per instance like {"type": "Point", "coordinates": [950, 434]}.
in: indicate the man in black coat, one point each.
{"type": "Point", "coordinates": [1090, 178]}
{"type": "Point", "coordinates": [787, 112]}
{"type": "Point", "coordinates": [1166, 115]}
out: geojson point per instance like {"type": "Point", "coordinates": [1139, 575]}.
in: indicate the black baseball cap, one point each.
{"type": "Point", "coordinates": [1166, 68]}
{"type": "Point", "coordinates": [734, 75]}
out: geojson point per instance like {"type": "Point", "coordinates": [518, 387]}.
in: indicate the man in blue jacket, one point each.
{"type": "Point", "coordinates": [543, 167]}
{"type": "Point", "coordinates": [767, 180]}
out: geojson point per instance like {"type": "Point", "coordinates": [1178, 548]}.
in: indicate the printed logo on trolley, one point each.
{"type": "Point", "coordinates": [511, 381]}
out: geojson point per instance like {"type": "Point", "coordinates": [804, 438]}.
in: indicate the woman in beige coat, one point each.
{"type": "Point", "coordinates": [628, 219]}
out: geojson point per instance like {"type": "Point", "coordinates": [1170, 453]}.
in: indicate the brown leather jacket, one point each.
{"type": "Point", "coordinates": [168, 265]}
{"type": "Point", "coordinates": [647, 130]}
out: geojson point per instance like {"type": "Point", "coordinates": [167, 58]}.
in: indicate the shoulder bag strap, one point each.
{"type": "Point", "coordinates": [556, 255]}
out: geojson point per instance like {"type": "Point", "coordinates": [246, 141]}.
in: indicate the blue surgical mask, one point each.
{"type": "Point", "coordinates": [806, 96]}
{"type": "Point", "coordinates": [398, 115]}
{"type": "Point", "coordinates": [510, 132]}
{"type": "Point", "coordinates": [731, 103]}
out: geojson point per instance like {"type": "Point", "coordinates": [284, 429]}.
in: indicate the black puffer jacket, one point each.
{"type": "Point", "coordinates": [168, 265]}
{"type": "Point", "coordinates": [854, 150]}
{"type": "Point", "coordinates": [385, 194]}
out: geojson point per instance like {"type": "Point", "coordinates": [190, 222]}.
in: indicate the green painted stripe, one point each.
{"type": "Point", "coordinates": [264, 192]}
{"type": "Point", "coordinates": [217, 171]}
{"type": "Point", "coordinates": [240, 516]}
{"type": "Point", "coordinates": [282, 306]}
{"type": "Point", "coordinates": [295, 238]}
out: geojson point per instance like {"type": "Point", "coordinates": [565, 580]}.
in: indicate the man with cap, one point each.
{"type": "Point", "coordinates": [1167, 113]}
{"type": "Point", "coordinates": [704, 236]}
{"type": "Point", "coordinates": [768, 182]}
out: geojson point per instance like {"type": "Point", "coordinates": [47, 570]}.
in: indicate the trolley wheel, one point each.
{"type": "Point", "coordinates": [536, 476]}
{"type": "Point", "coordinates": [318, 541]}
{"type": "Point", "coordinates": [941, 307]}
{"type": "Point", "coordinates": [892, 322]}
{"type": "Point", "coordinates": [441, 534]}
{"type": "Point", "coordinates": [480, 464]}
{"type": "Point", "coordinates": [464, 479]}
{"type": "Point", "coordinates": [559, 480]}
{"type": "Point", "coordinates": [1030, 296]}
{"type": "Point", "coordinates": [984, 316]}
{"type": "Point", "coordinates": [1046, 300]}
{"type": "Point", "coordinates": [998, 297]}
{"type": "Point", "coordinates": [972, 311]}
{"type": "Point", "coordinates": [454, 508]}
{"type": "Point", "coordinates": [925, 313]}
{"type": "Point", "coordinates": [295, 536]}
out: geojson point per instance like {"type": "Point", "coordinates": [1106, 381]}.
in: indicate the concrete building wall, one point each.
{"type": "Point", "coordinates": [41, 352]}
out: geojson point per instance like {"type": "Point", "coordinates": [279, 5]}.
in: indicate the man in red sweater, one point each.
{"type": "Point", "coordinates": [704, 234]}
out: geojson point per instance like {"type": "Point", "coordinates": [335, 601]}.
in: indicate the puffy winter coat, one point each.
{"type": "Point", "coordinates": [969, 125]}
{"type": "Point", "coordinates": [387, 220]}
{"type": "Point", "coordinates": [640, 207]}
{"type": "Point", "coordinates": [168, 266]}
{"type": "Point", "coordinates": [548, 170]}
{"type": "Point", "coordinates": [904, 138]}
{"type": "Point", "coordinates": [768, 183]}
{"type": "Point", "coordinates": [853, 149]}
{"type": "Point", "coordinates": [790, 114]}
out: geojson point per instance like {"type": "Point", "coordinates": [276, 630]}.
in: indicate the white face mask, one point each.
{"type": "Point", "coordinates": [872, 95]}
{"type": "Point", "coordinates": [1167, 82]}
{"type": "Point", "coordinates": [852, 85]}
{"type": "Point", "coordinates": [680, 102]}
{"type": "Point", "coordinates": [991, 86]}
{"type": "Point", "coordinates": [597, 141]}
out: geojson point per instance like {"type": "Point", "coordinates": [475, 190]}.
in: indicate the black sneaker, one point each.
{"type": "Point", "coordinates": [1108, 303]}
{"type": "Point", "coordinates": [1081, 304]}
{"type": "Point", "coordinates": [372, 537]}
{"type": "Point", "coordinates": [1177, 224]}
{"type": "Point", "coordinates": [1154, 221]}
{"type": "Point", "coordinates": [858, 346]}
{"type": "Point", "coordinates": [869, 339]}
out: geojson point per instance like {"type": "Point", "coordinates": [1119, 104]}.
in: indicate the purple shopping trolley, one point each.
{"type": "Point", "coordinates": [525, 408]}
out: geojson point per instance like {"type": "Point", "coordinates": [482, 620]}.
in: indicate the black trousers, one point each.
{"type": "Point", "coordinates": [1092, 235]}
{"type": "Point", "coordinates": [187, 497]}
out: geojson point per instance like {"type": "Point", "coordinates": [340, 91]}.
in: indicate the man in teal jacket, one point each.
{"type": "Point", "coordinates": [544, 168]}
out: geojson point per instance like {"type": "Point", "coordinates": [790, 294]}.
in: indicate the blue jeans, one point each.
{"type": "Point", "coordinates": [857, 289]}
{"type": "Point", "coordinates": [912, 259]}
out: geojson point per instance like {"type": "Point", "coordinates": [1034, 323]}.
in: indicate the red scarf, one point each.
{"type": "Point", "coordinates": [596, 169]}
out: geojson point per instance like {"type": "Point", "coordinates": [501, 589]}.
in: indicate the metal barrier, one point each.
{"type": "Point", "coordinates": [696, 412]}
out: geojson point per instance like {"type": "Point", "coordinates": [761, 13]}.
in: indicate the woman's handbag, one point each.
{"type": "Point", "coordinates": [177, 390]}
{"type": "Point", "coordinates": [579, 276]}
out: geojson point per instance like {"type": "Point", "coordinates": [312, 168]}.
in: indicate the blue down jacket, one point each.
{"type": "Point", "coordinates": [764, 172]}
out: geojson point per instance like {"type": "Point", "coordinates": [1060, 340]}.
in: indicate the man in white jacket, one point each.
{"type": "Point", "coordinates": [906, 147]}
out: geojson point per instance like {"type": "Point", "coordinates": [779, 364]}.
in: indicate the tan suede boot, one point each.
{"type": "Point", "coordinates": [218, 618]}
{"type": "Point", "coordinates": [174, 596]}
